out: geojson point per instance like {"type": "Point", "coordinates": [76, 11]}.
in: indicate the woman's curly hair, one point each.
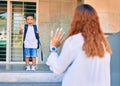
{"type": "Point", "coordinates": [86, 22]}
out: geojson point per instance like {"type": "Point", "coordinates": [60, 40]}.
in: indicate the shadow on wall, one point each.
{"type": "Point", "coordinates": [114, 41]}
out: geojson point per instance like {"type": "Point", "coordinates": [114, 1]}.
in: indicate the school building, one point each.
{"type": "Point", "coordinates": [49, 15]}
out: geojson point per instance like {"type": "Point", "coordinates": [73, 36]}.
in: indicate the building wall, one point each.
{"type": "Point", "coordinates": [53, 14]}
{"type": "Point", "coordinates": [109, 13]}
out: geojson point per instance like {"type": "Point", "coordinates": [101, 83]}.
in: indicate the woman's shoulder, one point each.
{"type": "Point", "coordinates": [75, 41]}
{"type": "Point", "coordinates": [75, 37]}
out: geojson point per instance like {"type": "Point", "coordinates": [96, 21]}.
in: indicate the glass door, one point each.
{"type": "Point", "coordinates": [3, 22]}
{"type": "Point", "coordinates": [19, 9]}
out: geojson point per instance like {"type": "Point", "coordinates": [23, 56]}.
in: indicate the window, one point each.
{"type": "Point", "coordinates": [3, 22]}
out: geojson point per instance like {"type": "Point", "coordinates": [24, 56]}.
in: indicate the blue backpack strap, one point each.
{"type": "Point", "coordinates": [38, 38]}
{"type": "Point", "coordinates": [25, 31]}
{"type": "Point", "coordinates": [36, 35]}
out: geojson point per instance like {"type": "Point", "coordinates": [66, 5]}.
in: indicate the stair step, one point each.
{"type": "Point", "coordinates": [17, 74]}
{"type": "Point", "coordinates": [32, 84]}
{"type": "Point", "coordinates": [30, 77]}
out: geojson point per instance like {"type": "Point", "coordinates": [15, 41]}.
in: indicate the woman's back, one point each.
{"type": "Point", "coordinates": [86, 71]}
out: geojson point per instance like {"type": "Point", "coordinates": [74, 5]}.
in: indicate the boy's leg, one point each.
{"type": "Point", "coordinates": [33, 55]}
{"type": "Point", "coordinates": [27, 55]}
{"type": "Point", "coordinates": [27, 61]}
{"type": "Point", "coordinates": [34, 61]}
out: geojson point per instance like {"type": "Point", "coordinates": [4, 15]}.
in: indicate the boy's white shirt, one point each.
{"type": "Point", "coordinates": [30, 39]}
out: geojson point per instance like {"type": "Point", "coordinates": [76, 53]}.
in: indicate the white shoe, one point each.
{"type": "Point", "coordinates": [33, 68]}
{"type": "Point", "coordinates": [28, 67]}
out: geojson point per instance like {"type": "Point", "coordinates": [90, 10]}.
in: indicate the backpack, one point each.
{"type": "Point", "coordinates": [37, 37]}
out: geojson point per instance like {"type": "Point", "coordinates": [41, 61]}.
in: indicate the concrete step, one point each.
{"type": "Point", "coordinates": [30, 77]}
{"type": "Point", "coordinates": [31, 84]}
{"type": "Point", "coordinates": [16, 75]}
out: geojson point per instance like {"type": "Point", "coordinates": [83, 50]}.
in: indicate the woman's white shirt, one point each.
{"type": "Point", "coordinates": [78, 69]}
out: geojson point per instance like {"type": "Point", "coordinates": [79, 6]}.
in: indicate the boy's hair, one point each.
{"type": "Point", "coordinates": [29, 15]}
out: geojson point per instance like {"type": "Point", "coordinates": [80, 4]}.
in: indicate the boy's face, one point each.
{"type": "Point", "coordinates": [30, 20]}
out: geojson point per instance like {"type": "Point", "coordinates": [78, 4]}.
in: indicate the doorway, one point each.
{"type": "Point", "coordinates": [11, 15]}
{"type": "Point", "coordinates": [19, 9]}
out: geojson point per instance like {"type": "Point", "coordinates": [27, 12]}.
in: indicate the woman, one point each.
{"type": "Point", "coordinates": [85, 56]}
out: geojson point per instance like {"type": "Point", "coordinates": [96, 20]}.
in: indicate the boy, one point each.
{"type": "Point", "coordinates": [30, 41]}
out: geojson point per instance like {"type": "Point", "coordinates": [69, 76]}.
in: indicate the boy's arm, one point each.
{"type": "Point", "coordinates": [21, 29]}
{"type": "Point", "coordinates": [38, 31]}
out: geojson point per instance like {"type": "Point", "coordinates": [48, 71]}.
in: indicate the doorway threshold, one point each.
{"type": "Point", "coordinates": [19, 68]}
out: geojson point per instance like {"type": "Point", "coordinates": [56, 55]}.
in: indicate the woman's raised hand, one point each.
{"type": "Point", "coordinates": [57, 37]}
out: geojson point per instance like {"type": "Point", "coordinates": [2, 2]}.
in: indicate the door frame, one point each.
{"type": "Point", "coordinates": [8, 31]}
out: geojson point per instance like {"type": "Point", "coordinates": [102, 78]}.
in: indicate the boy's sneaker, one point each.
{"type": "Point", "coordinates": [33, 68]}
{"type": "Point", "coordinates": [28, 67]}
